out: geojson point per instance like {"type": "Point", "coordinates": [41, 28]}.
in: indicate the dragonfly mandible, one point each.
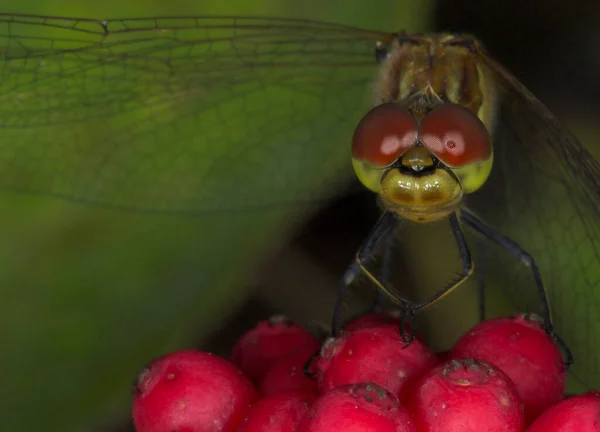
{"type": "Point", "coordinates": [113, 113]}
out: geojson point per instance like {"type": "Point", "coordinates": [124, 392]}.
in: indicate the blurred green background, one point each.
{"type": "Point", "coordinates": [90, 295]}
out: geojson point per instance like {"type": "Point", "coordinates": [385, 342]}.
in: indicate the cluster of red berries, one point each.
{"type": "Point", "coordinates": [504, 375]}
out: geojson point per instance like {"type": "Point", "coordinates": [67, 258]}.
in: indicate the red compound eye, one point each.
{"type": "Point", "coordinates": [455, 135]}
{"type": "Point", "coordinates": [383, 134]}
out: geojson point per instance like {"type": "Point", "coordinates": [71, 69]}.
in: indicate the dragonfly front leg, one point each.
{"type": "Point", "coordinates": [408, 308]}
{"type": "Point", "coordinates": [518, 252]}
{"type": "Point", "coordinates": [386, 266]}
{"type": "Point", "coordinates": [381, 232]}
{"type": "Point", "coordinates": [466, 271]}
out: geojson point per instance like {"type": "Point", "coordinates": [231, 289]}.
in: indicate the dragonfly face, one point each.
{"type": "Point", "coordinates": [209, 114]}
{"type": "Point", "coordinates": [427, 143]}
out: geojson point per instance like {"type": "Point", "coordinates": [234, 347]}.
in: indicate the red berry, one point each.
{"type": "Point", "coordinates": [288, 374]}
{"type": "Point", "coordinates": [374, 319]}
{"type": "Point", "coordinates": [374, 354]}
{"type": "Point", "coordinates": [277, 413]}
{"type": "Point", "coordinates": [466, 395]}
{"type": "Point", "coordinates": [578, 414]}
{"type": "Point", "coordinates": [268, 342]}
{"type": "Point", "coordinates": [524, 351]}
{"type": "Point", "coordinates": [191, 391]}
{"type": "Point", "coordinates": [357, 407]}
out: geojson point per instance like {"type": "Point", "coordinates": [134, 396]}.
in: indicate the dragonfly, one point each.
{"type": "Point", "coordinates": [113, 113]}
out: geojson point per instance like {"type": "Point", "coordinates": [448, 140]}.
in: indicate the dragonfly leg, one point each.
{"type": "Point", "coordinates": [466, 271]}
{"type": "Point", "coordinates": [407, 319]}
{"type": "Point", "coordinates": [410, 310]}
{"type": "Point", "coordinates": [386, 265]}
{"type": "Point", "coordinates": [378, 303]}
{"type": "Point", "coordinates": [382, 229]}
{"type": "Point", "coordinates": [518, 252]}
{"type": "Point", "coordinates": [308, 365]}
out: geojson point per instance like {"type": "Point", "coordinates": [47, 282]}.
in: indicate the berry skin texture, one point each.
{"type": "Point", "coordinates": [466, 396]}
{"type": "Point", "coordinates": [373, 354]}
{"type": "Point", "coordinates": [191, 391]}
{"type": "Point", "coordinates": [522, 349]}
{"type": "Point", "coordinates": [288, 374]}
{"type": "Point", "coordinates": [576, 414]}
{"type": "Point", "coordinates": [357, 408]}
{"type": "Point", "coordinates": [374, 319]}
{"type": "Point", "coordinates": [277, 413]}
{"type": "Point", "coordinates": [267, 343]}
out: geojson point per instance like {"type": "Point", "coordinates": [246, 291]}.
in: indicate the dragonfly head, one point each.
{"type": "Point", "coordinates": [421, 166]}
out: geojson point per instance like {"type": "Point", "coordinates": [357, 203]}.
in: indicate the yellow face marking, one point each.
{"type": "Point", "coordinates": [423, 198]}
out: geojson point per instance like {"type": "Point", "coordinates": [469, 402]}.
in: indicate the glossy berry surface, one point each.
{"type": "Point", "coordinates": [280, 412]}
{"type": "Point", "coordinates": [357, 407]}
{"type": "Point", "coordinates": [191, 391]}
{"type": "Point", "coordinates": [576, 414]}
{"type": "Point", "coordinates": [288, 374]}
{"type": "Point", "coordinates": [268, 342]}
{"type": "Point", "coordinates": [466, 395]}
{"type": "Point", "coordinates": [524, 351]}
{"type": "Point", "coordinates": [373, 354]}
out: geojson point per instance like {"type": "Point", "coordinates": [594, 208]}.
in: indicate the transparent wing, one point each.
{"type": "Point", "coordinates": [544, 193]}
{"type": "Point", "coordinates": [182, 115]}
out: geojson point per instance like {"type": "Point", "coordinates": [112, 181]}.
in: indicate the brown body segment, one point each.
{"type": "Point", "coordinates": [433, 67]}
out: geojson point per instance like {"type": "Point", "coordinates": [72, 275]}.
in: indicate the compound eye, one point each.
{"type": "Point", "coordinates": [383, 134]}
{"type": "Point", "coordinates": [455, 136]}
